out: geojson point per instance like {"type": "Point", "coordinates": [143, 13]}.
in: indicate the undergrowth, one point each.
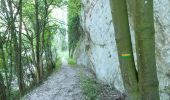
{"type": "Point", "coordinates": [71, 61]}
{"type": "Point", "coordinates": [94, 90]}
{"type": "Point", "coordinates": [58, 64]}
{"type": "Point", "coordinates": [89, 86]}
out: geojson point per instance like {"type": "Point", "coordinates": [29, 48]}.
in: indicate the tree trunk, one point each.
{"type": "Point", "coordinates": [37, 31]}
{"type": "Point", "coordinates": [20, 69]}
{"type": "Point", "coordinates": [2, 88]}
{"type": "Point", "coordinates": [48, 57]}
{"type": "Point", "coordinates": [45, 20]}
{"type": "Point", "coordinates": [124, 47]}
{"type": "Point", "coordinates": [10, 69]}
{"type": "Point", "coordinates": [145, 47]}
{"type": "Point", "coordinates": [2, 85]}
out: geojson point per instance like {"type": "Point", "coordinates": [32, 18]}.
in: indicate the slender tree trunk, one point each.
{"type": "Point", "coordinates": [2, 53]}
{"type": "Point", "coordinates": [20, 69]}
{"type": "Point", "coordinates": [45, 19]}
{"type": "Point", "coordinates": [10, 69]}
{"type": "Point", "coordinates": [124, 46]}
{"type": "Point", "coordinates": [51, 56]}
{"type": "Point", "coordinates": [145, 46]}
{"type": "Point", "coordinates": [37, 30]}
{"type": "Point", "coordinates": [48, 58]}
{"type": "Point", "coordinates": [2, 85]}
{"type": "Point", "coordinates": [2, 88]}
{"type": "Point", "coordinates": [32, 49]}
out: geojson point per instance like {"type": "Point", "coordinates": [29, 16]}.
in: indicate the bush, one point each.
{"type": "Point", "coordinates": [72, 61]}
{"type": "Point", "coordinates": [58, 64]}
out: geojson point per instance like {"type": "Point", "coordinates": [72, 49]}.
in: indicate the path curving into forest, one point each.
{"type": "Point", "coordinates": [63, 85]}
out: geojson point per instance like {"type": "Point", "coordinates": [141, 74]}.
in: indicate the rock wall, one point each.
{"type": "Point", "coordinates": [97, 48]}
{"type": "Point", "coordinates": [162, 27]}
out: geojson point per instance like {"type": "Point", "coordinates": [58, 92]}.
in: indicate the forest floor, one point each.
{"type": "Point", "coordinates": [63, 85]}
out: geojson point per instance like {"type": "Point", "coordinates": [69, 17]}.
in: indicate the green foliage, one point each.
{"type": "Point", "coordinates": [58, 64]}
{"type": "Point", "coordinates": [71, 61]}
{"type": "Point", "coordinates": [89, 86]}
{"type": "Point", "coordinates": [74, 8]}
{"type": "Point", "coordinates": [15, 95]}
{"type": "Point", "coordinates": [90, 89]}
{"type": "Point", "coordinates": [94, 90]}
{"type": "Point", "coordinates": [78, 44]}
{"type": "Point", "coordinates": [0, 63]}
{"type": "Point", "coordinates": [47, 26]}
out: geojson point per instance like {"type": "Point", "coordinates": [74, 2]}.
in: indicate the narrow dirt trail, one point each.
{"type": "Point", "coordinates": [63, 85]}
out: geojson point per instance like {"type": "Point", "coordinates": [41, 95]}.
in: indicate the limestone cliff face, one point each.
{"type": "Point", "coordinates": [162, 27]}
{"type": "Point", "coordinates": [97, 47]}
